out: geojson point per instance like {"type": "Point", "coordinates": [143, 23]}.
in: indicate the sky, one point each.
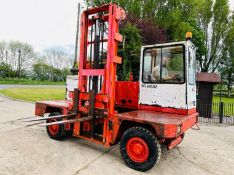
{"type": "Point", "coordinates": [231, 2]}
{"type": "Point", "coordinates": [41, 23]}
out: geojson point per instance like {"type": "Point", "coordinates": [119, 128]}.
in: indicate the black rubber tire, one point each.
{"type": "Point", "coordinates": [61, 130]}
{"type": "Point", "coordinates": [151, 141]}
{"type": "Point", "coordinates": [68, 133]}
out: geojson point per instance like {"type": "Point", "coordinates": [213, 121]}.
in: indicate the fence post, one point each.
{"type": "Point", "coordinates": [221, 105]}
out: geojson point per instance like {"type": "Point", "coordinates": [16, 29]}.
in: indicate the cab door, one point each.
{"type": "Point", "coordinates": [191, 78]}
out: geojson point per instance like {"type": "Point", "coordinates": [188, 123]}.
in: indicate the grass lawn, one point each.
{"type": "Point", "coordinates": [35, 94]}
{"type": "Point", "coordinates": [228, 105]}
{"type": "Point", "coordinates": [29, 82]}
{"type": "Point", "coordinates": [223, 99]}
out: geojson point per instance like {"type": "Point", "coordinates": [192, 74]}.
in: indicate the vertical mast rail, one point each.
{"type": "Point", "coordinates": [103, 73]}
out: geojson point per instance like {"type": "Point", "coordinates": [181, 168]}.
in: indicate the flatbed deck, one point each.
{"type": "Point", "coordinates": [166, 124]}
{"type": "Point", "coordinates": [156, 117]}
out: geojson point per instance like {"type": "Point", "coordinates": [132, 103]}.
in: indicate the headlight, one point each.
{"type": "Point", "coordinates": [179, 129]}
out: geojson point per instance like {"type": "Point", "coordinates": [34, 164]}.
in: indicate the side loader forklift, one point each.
{"type": "Point", "coordinates": [141, 115]}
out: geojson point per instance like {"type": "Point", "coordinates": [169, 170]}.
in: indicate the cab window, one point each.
{"type": "Point", "coordinates": [164, 65]}
{"type": "Point", "coordinates": [152, 58]}
{"type": "Point", "coordinates": [192, 67]}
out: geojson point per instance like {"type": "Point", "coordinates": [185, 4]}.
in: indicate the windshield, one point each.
{"type": "Point", "coordinates": [163, 65]}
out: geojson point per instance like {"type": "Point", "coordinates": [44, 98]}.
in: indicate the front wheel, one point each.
{"type": "Point", "coordinates": [140, 149]}
{"type": "Point", "coordinates": [56, 132]}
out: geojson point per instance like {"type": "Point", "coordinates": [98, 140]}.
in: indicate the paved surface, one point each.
{"type": "Point", "coordinates": [28, 150]}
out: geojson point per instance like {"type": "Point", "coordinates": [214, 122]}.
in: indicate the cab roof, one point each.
{"type": "Point", "coordinates": [170, 44]}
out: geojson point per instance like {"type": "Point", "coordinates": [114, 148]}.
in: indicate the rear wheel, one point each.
{"type": "Point", "coordinates": [140, 149]}
{"type": "Point", "coordinates": [56, 132]}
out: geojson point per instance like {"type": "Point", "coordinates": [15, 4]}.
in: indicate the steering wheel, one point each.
{"type": "Point", "coordinates": [178, 77]}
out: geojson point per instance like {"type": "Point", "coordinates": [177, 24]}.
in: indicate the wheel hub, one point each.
{"type": "Point", "coordinates": [53, 128]}
{"type": "Point", "coordinates": [137, 149]}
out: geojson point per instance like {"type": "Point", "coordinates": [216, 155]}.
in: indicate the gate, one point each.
{"type": "Point", "coordinates": [217, 112]}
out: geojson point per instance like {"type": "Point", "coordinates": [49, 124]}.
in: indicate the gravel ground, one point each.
{"type": "Point", "coordinates": [28, 150]}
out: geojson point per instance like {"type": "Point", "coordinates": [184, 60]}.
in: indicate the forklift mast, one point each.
{"type": "Point", "coordinates": [97, 68]}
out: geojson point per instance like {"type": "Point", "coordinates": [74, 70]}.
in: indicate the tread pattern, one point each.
{"type": "Point", "coordinates": [152, 160]}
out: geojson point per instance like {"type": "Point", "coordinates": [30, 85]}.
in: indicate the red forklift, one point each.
{"type": "Point", "coordinates": [141, 115]}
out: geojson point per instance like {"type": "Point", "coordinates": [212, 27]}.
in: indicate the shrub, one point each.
{"type": "Point", "coordinates": [6, 70]}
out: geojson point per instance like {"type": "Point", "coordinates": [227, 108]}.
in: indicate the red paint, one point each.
{"type": "Point", "coordinates": [168, 109]}
{"type": "Point", "coordinates": [175, 142]}
{"type": "Point", "coordinates": [137, 149]}
{"type": "Point", "coordinates": [97, 9]}
{"type": "Point", "coordinates": [127, 94]}
{"type": "Point", "coordinates": [86, 126]}
{"type": "Point", "coordinates": [131, 77]}
{"type": "Point", "coordinates": [118, 37]}
{"type": "Point", "coordinates": [191, 111]}
{"type": "Point", "coordinates": [92, 72]}
{"type": "Point", "coordinates": [117, 60]}
{"type": "Point", "coordinates": [71, 94]}
{"type": "Point", "coordinates": [165, 124]}
{"type": "Point", "coordinates": [41, 106]}
{"type": "Point", "coordinates": [53, 128]}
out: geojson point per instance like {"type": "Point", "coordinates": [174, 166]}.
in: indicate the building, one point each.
{"type": "Point", "coordinates": [205, 86]}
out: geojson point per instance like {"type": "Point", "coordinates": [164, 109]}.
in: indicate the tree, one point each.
{"type": "Point", "coordinates": [148, 30]}
{"type": "Point", "coordinates": [212, 20]}
{"type": "Point", "coordinates": [54, 64]}
{"type": "Point", "coordinates": [130, 51]}
{"type": "Point", "coordinates": [227, 70]}
{"type": "Point", "coordinates": [42, 71]}
{"type": "Point", "coordinates": [17, 59]}
{"type": "Point", "coordinates": [21, 56]}
{"type": "Point", "coordinates": [3, 51]}
{"type": "Point", "coordinates": [5, 70]}
{"type": "Point", "coordinates": [176, 16]}
{"type": "Point", "coordinates": [57, 58]}
{"type": "Point", "coordinates": [180, 16]}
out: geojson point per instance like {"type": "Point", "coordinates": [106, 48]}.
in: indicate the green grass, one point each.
{"type": "Point", "coordinates": [228, 105]}
{"type": "Point", "coordinates": [35, 94]}
{"type": "Point", "coordinates": [28, 82]}
{"type": "Point", "coordinates": [223, 99]}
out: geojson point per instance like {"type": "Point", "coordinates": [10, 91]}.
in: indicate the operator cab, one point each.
{"type": "Point", "coordinates": [167, 77]}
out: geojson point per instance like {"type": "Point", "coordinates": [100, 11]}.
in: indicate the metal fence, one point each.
{"type": "Point", "coordinates": [216, 113]}
{"type": "Point", "coordinates": [228, 109]}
